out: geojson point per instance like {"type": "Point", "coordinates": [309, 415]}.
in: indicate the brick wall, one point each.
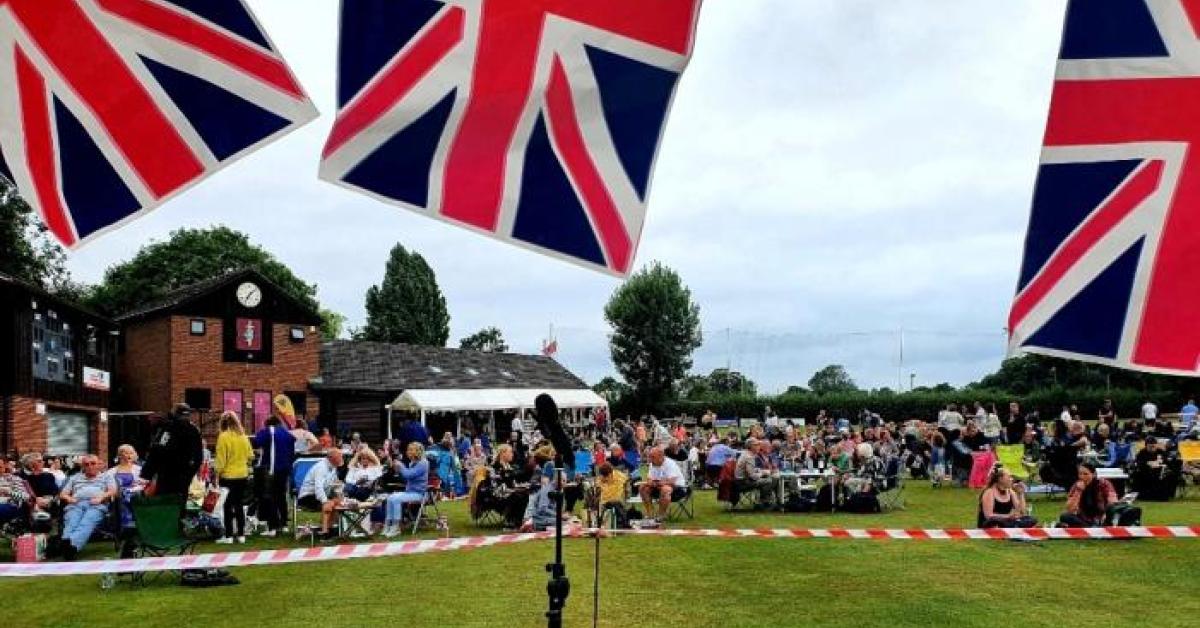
{"type": "Point", "coordinates": [29, 427]}
{"type": "Point", "coordinates": [198, 362]}
{"type": "Point", "coordinates": [143, 370]}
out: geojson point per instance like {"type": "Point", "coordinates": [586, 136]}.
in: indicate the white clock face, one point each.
{"type": "Point", "coordinates": [249, 294]}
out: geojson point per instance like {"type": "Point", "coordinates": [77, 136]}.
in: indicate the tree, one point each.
{"type": "Point", "coordinates": [796, 390]}
{"type": "Point", "coordinates": [331, 325]}
{"type": "Point", "coordinates": [656, 327]}
{"type": "Point", "coordinates": [727, 382]}
{"type": "Point", "coordinates": [27, 251]}
{"type": "Point", "coordinates": [190, 256]}
{"type": "Point", "coordinates": [487, 340]}
{"type": "Point", "coordinates": [408, 306]}
{"type": "Point", "coordinates": [611, 389]}
{"type": "Point", "coordinates": [694, 387]}
{"type": "Point", "coordinates": [831, 379]}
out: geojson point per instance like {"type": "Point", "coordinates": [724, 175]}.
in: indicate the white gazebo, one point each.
{"type": "Point", "coordinates": [423, 400]}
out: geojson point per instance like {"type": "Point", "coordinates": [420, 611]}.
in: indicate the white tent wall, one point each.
{"type": "Point", "coordinates": [454, 400]}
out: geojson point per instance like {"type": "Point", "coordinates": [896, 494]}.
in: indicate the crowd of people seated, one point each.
{"type": "Point", "coordinates": [657, 463]}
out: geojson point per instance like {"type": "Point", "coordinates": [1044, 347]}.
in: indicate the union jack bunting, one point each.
{"type": "Point", "coordinates": [1111, 264]}
{"type": "Point", "coordinates": [533, 121]}
{"type": "Point", "coordinates": [111, 107]}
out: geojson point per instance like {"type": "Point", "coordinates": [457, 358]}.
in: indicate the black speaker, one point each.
{"type": "Point", "coordinates": [548, 423]}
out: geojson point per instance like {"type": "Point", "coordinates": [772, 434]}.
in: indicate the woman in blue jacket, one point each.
{"type": "Point", "coordinates": [415, 471]}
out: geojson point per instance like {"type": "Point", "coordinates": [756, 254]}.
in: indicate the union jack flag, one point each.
{"type": "Point", "coordinates": [1111, 264]}
{"type": "Point", "coordinates": [115, 106]}
{"type": "Point", "coordinates": [532, 121]}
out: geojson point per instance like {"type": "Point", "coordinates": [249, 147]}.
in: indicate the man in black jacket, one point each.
{"type": "Point", "coordinates": [175, 453]}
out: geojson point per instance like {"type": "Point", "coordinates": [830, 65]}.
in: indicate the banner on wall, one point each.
{"type": "Point", "coordinates": [1110, 267]}
{"type": "Point", "coordinates": [535, 123]}
{"type": "Point", "coordinates": [116, 106]}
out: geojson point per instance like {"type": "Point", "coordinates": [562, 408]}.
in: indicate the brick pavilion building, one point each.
{"type": "Point", "coordinates": [56, 364]}
{"type": "Point", "coordinates": [231, 343]}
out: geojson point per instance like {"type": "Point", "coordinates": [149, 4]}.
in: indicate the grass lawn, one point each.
{"type": "Point", "coordinates": [651, 581]}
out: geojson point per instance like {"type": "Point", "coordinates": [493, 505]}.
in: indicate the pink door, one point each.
{"type": "Point", "coordinates": [232, 402]}
{"type": "Point", "coordinates": [262, 408]}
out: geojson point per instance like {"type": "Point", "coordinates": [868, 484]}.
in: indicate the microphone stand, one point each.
{"type": "Point", "coordinates": [559, 587]}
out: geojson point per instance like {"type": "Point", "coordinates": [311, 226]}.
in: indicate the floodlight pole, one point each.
{"type": "Point", "coordinates": [559, 587]}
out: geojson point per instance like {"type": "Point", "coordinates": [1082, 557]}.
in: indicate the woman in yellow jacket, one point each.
{"type": "Point", "coordinates": [233, 469]}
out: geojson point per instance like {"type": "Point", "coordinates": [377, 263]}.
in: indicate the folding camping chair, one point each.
{"type": "Point", "coordinates": [1189, 456]}
{"type": "Point", "coordinates": [158, 532]}
{"type": "Point", "coordinates": [300, 469]}
{"type": "Point", "coordinates": [482, 513]}
{"type": "Point", "coordinates": [433, 493]}
{"type": "Point", "coordinates": [684, 507]}
{"type": "Point", "coordinates": [891, 485]}
{"type": "Point", "coordinates": [1012, 458]}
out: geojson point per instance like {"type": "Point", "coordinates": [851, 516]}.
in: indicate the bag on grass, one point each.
{"type": "Point", "coordinates": [30, 548]}
{"type": "Point", "coordinates": [206, 578]}
{"type": "Point", "coordinates": [799, 503]}
{"type": "Point", "coordinates": [861, 503]}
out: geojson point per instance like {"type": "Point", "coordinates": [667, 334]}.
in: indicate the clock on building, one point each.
{"type": "Point", "coordinates": [249, 294]}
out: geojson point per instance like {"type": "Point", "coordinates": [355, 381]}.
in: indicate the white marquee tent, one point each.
{"type": "Point", "coordinates": [490, 399]}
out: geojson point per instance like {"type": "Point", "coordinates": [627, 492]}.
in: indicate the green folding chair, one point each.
{"type": "Point", "coordinates": [158, 528]}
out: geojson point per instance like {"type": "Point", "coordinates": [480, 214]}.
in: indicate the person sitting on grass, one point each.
{"type": "Point", "coordinates": [666, 484]}
{"type": "Point", "coordinates": [613, 485]}
{"type": "Point", "coordinates": [1089, 499]}
{"type": "Point", "coordinates": [415, 471]}
{"type": "Point", "coordinates": [750, 476]}
{"type": "Point", "coordinates": [86, 496]}
{"type": "Point", "coordinates": [1002, 503]}
{"type": "Point", "coordinates": [321, 491]}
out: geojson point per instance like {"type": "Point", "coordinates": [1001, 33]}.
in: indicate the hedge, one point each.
{"type": "Point", "coordinates": [915, 405]}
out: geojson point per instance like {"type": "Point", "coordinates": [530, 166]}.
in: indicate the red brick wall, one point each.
{"type": "Point", "coordinates": [198, 362]}
{"type": "Point", "coordinates": [29, 427]}
{"type": "Point", "coordinates": [143, 370]}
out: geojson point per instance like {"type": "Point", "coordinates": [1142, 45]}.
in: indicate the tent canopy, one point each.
{"type": "Point", "coordinates": [454, 400]}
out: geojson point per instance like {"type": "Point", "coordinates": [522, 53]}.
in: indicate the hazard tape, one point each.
{"type": "Point", "coordinates": [404, 548]}
{"type": "Point", "coordinates": [944, 534]}
{"type": "Point", "coordinates": [264, 557]}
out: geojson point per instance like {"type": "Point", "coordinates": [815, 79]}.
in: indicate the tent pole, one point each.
{"type": "Point", "coordinates": [422, 418]}
{"type": "Point", "coordinates": [389, 420]}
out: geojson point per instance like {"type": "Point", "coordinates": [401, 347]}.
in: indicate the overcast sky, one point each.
{"type": "Point", "coordinates": [833, 171]}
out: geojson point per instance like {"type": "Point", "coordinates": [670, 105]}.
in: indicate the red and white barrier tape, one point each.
{"type": "Point", "coordinates": [377, 550]}
{"type": "Point", "coordinates": [264, 557]}
{"type": "Point", "coordinates": [946, 534]}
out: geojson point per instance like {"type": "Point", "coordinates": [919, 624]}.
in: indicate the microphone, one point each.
{"type": "Point", "coordinates": [548, 423]}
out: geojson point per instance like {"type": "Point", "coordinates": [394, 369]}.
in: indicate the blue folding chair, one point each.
{"type": "Point", "coordinates": [300, 469]}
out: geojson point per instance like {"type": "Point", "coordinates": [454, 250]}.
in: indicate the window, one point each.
{"type": "Point", "coordinates": [53, 359]}
{"type": "Point", "coordinates": [198, 327]}
{"type": "Point", "coordinates": [297, 334]}
{"type": "Point", "coordinates": [198, 398]}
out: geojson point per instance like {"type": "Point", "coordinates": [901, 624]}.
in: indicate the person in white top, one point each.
{"type": "Point", "coordinates": [1149, 411]}
{"type": "Point", "coordinates": [321, 491]}
{"type": "Point", "coordinates": [517, 425]}
{"type": "Point", "coordinates": [666, 483]}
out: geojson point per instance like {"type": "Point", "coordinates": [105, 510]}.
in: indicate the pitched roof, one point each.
{"type": "Point", "coordinates": [42, 293]}
{"type": "Point", "coordinates": [380, 366]}
{"type": "Point", "coordinates": [182, 296]}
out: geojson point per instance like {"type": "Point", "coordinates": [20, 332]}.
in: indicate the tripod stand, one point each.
{"type": "Point", "coordinates": [559, 587]}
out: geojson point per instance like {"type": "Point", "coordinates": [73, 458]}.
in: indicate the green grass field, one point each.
{"type": "Point", "coordinates": [651, 581]}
